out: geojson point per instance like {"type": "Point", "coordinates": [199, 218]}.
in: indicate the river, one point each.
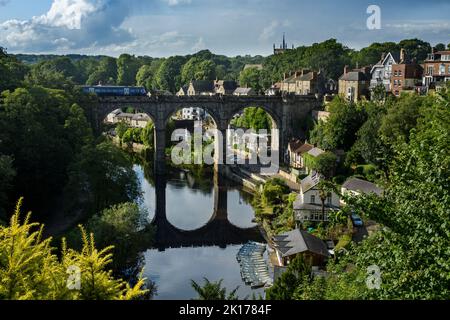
{"type": "Point", "coordinates": [201, 225]}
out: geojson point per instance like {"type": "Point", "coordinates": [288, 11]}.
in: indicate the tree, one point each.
{"type": "Point", "coordinates": [106, 73]}
{"type": "Point", "coordinates": [325, 189]}
{"type": "Point", "coordinates": [7, 173]}
{"type": "Point", "coordinates": [127, 68]}
{"type": "Point", "coordinates": [324, 164]}
{"type": "Point", "coordinates": [416, 49]}
{"type": "Point", "coordinates": [147, 135]}
{"type": "Point", "coordinates": [59, 73]}
{"type": "Point", "coordinates": [12, 71]}
{"type": "Point", "coordinates": [213, 291]}
{"type": "Point", "coordinates": [339, 131]}
{"type": "Point", "coordinates": [31, 271]}
{"type": "Point", "coordinates": [168, 76]}
{"type": "Point", "coordinates": [287, 285]}
{"type": "Point", "coordinates": [251, 78]}
{"type": "Point", "coordinates": [101, 176]}
{"type": "Point", "coordinates": [145, 77]}
{"type": "Point", "coordinates": [274, 190]}
{"type": "Point", "coordinates": [440, 47]}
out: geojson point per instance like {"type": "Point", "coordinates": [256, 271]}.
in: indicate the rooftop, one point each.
{"type": "Point", "coordinates": [363, 186]}
{"type": "Point", "coordinates": [310, 181]}
{"type": "Point", "coordinates": [299, 241]}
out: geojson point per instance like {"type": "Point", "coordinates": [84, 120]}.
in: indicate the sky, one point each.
{"type": "Point", "coordinates": [162, 28]}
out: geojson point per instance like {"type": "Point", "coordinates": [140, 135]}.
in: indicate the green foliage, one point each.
{"type": "Point", "coordinates": [42, 129]}
{"type": "Point", "coordinates": [324, 164]}
{"type": "Point", "coordinates": [101, 176]}
{"type": "Point", "coordinates": [121, 128]}
{"type": "Point", "coordinates": [339, 131]}
{"type": "Point", "coordinates": [127, 68]}
{"type": "Point", "coordinates": [168, 76]}
{"type": "Point", "coordinates": [7, 173]}
{"type": "Point", "coordinates": [145, 77]}
{"type": "Point", "coordinates": [273, 191]}
{"type": "Point", "coordinates": [198, 69]}
{"type": "Point", "coordinates": [289, 283]}
{"type": "Point", "coordinates": [31, 271]}
{"type": "Point", "coordinates": [251, 78]}
{"type": "Point", "coordinates": [105, 73]}
{"type": "Point", "coordinates": [213, 291]}
{"type": "Point", "coordinates": [253, 118]}
{"type": "Point", "coordinates": [147, 135]}
{"type": "Point", "coordinates": [59, 73]}
{"type": "Point", "coordinates": [11, 70]}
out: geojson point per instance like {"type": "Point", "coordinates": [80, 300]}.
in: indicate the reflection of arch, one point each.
{"type": "Point", "coordinates": [218, 231]}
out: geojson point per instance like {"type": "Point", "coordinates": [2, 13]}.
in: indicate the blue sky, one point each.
{"type": "Point", "coordinates": [231, 27]}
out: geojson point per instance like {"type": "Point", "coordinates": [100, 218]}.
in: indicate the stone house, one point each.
{"type": "Point", "coordinates": [303, 82]}
{"type": "Point", "coordinates": [225, 87]}
{"type": "Point", "coordinates": [354, 85]}
{"type": "Point", "coordinates": [299, 242]}
{"type": "Point", "coordinates": [201, 88]}
{"type": "Point", "coordinates": [296, 150]}
{"type": "Point", "coordinates": [308, 205]}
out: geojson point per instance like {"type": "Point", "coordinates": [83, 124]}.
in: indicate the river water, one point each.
{"type": "Point", "coordinates": [201, 224]}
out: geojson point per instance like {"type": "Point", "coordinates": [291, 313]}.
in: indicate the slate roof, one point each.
{"type": "Point", "coordinates": [299, 241]}
{"type": "Point", "coordinates": [354, 76]}
{"type": "Point", "coordinates": [315, 152]}
{"type": "Point", "coordinates": [242, 91]}
{"type": "Point", "coordinates": [307, 77]}
{"type": "Point", "coordinates": [298, 146]}
{"type": "Point", "coordinates": [203, 86]}
{"type": "Point", "coordinates": [362, 186]}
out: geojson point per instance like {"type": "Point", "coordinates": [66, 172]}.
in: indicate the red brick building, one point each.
{"type": "Point", "coordinates": [405, 76]}
{"type": "Point", "coordinates": [436, 68]}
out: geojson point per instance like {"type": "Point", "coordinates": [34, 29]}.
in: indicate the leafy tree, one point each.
{"type": "Point", "coordinates": [288, 284]}
{"type": "Point", "coordinates": [147, 135]}
{"type": "Point", "coordinates": [145, 77]}
{"type": "Point", "coordinates": [100, 177]}
{"type": "Point", "coordinates": [30, 270]}
{"type": "Point", "coordinates": [440, 47]}
{"type": "Point", "coordinates": [168, 76]}
{"type": "Point", "coordinates": [12, 71]}
{"type": "Point", "coordinates": [59, 73]}
{"type": "Point", "coordinates": [251, 78]}
{"type": "Point", "coordinates": [339, 131]}
{"type": "Point", "coordinates": [213, 291]}
{"type": "Point", "coordinates": [253, 118]}
{"type": "Point", "coordinates": [127, 68]}
{"type": "Point", "coordinates": [198, 69]}
{"type": "Point", "coordinates": [7, 173]}
{"type": "Point", "coordinates": [273, 191]}
{"type": "Point", "coordinates": [416, 49]}
{"type": "Point", "coordinates": [106, 73]}
{"type": "Point", "coordinates": [324, 164]}
{"type": "Point", "coordinates": [372, 54]}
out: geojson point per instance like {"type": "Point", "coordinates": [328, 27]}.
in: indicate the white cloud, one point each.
{"type": "Point", "coordinates": [269, 31]}
{"type": "Point", "coordinates": [177, 2]}
{"type": "Point", "coordinates": [199, 45]}
{"type": "Point", "coordinates": [69, 24]}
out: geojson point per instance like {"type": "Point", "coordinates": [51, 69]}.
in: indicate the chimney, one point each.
{"type": "Point", "coordinates": [345, 69]}
{"type": "Point", "coordinates": [298, 73]}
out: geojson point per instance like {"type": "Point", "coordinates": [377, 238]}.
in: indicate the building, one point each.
{"type": "Point", "coordinates": [283, 47]}
{"type": "Point", "coordinates": [308, 205]}
{"type": "Point", "coordinates": [194, 114]}
{"type": "Point", "coordinates": [381, 73]}
{"type": "Point", "coordinates": [244, 92]}
{"type": "Point", "coordinates": [356, 187]}
{"type": "Point", "coordinates": [274, 90]}
{"type": "Point", "coordinates": [406, 77]}
{"type": "Point", "coordinates": [296, 150]}
{"type": "Point", "coordinates": [135, 120]}
{"type": "Point", "coordinates": [354, 85]}
{"type": "Point", "coordinates": [201, 88]}
{"type": "Point", "coordinates": [183, 91]}
{"type": "Point", "coordinates": [299, 242]}
{"type": "Point", "coordinates": [225, 87]}
{"type": "Point", "coordinates": [303, 82]}
{"type": "Point", "coordinates": [436, 68]}
{"type": "Point", "coordinates": [314, 153]}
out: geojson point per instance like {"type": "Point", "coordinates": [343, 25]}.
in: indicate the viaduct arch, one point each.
{"type": "Point", "coordinates": [287, 113]}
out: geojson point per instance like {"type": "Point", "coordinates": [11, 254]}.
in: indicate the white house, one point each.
{"type": "Point", "coordinates": [308, 205]}
{"type": "Point", "coordinates": [381, 73]}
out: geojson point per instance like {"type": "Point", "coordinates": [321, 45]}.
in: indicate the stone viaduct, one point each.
{"type": "Point", "coordinates": [287, 113]}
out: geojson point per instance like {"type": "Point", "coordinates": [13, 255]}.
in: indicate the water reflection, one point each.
{"type": "Point", "coordinates": [199, 228]}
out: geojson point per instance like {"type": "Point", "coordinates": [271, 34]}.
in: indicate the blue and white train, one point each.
{"type": "Point", "coordinates": [115, 90]}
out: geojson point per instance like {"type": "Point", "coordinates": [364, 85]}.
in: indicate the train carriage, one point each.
{"type": "Point", "coordinates": [115, 90]}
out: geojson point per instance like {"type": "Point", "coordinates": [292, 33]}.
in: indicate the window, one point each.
{"type": "Point", "coordinates": [430, 70]}
{"type": "Point", "coordinates": [395, 82]}
{"type": "Point", "coordinates": [442, 69]}
{"type": "Point", "coordinates": [399, 73]}
{"type": "Point", "coordinates": [399, 82]}
{"type": "Point", "coordinates": [313, 199]}
{"type": "Point", "coordinates": [329, 198]}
